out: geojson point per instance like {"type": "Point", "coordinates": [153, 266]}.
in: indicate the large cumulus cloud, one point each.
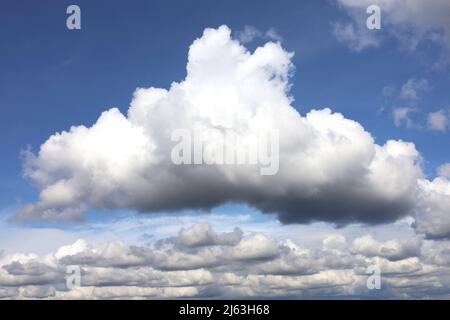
{"type": "Point", "coordinates": [330, 168]}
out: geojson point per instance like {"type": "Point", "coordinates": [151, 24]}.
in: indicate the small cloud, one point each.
{"type": "Point", "coordinates": [413, 88]}
{"type": "Point", "coordinates": [439, 120]}
{"type": "Point", "coordinates": [273, 34]}
{"type": "Point", "coordinates": [251, 33]}
{"type": "Point", "coordinates": [402, 117]}
{"type": "Point", "coordinates": [388, 91]}
{"type": "Point", "coordinates": [355, 37]}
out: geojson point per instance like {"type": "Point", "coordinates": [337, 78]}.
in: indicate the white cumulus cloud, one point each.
{"type": "Point", "coordinates": [330, 168]}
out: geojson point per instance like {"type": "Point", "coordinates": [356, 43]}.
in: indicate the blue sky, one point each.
{"type": "Point", "coordinates": [53, 78]}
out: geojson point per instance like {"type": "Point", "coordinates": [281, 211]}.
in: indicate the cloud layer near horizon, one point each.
{"type": "Point", "coordinates": [201, 263]}
{"type": "Point", "coordinates": [330, 167]}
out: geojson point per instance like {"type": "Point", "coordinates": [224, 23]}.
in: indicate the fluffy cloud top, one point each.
{"type": "Point", "coordinates": [330, 169]}
{"type": "Point", "coordinates": [433, 211]}
{"type": "Point", "coordinates": [392, 250]}
{"type": "Point", "coordinates": [204, 235]}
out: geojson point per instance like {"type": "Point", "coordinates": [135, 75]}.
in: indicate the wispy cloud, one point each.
{"type": "Point", "coordinates": [250, 33]}
{"type": "Point", "coordinates": [411, 23]}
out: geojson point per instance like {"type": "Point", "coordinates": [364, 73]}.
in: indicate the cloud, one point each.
{"type": "Point", "coordinates": [254, 267]}
{"type": "Point", "coordinates": [439, 120]}
{"type": "Point", "coordinates": [355, 37]}
{"type": "Point", "coordinates": [402, 117]}
{"type": "Point", "coordinates": [444, 170]}
{"type": "Point", "coordinates": [38, 292]}
{"type": "Point", "coordinates": [255, 247]}
{"type": "Point", "coordinates": [412, 89]}
{"type": "Point", "coordinates": [250, 33]}
{"type": "Point", "coordinates": [330, 169]}
{"type": "Point", "coordinates": [204, 235]}
{"type": "Point", "coordinates": [30, 268]}
{"type": "Point", "coordinates": [410, 92]}
{"type": "Point", "coordinates": [335, 241]}
{"type": "Point", "coordinates": [434, 206]}
{"type": "Point", "coordinates": [123, 161]}
{"type": "Point", "coordinates": [392, 250]}
{"type": "Point", "coordinates": [6, 293]}
{"type": "Point", "coordinates": [388, 91]}
{"type": "Point", "coordinates": [410, 22]}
